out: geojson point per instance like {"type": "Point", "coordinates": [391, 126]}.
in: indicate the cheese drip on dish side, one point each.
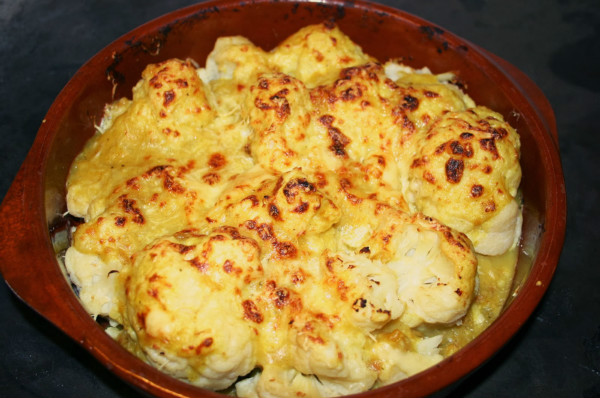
{"type": "Point", "coordinates": [304, 221]}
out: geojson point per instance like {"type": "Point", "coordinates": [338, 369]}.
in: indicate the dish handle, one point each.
{"type": "Point", "coordinates": [26, 255]}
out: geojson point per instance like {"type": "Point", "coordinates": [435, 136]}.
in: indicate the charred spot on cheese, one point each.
{"type": "Point", "coordinates": [370, 71]}
{"type": "Point", "coordinates": [282, 297]}
{"type": "Point", "coordinates": [407, 125]}
{"type": "Point", "coordinates": [231, 231]}
{"type": "Point", "coordinates": [183, 170]}
{"type": "Point", "coordinates": [153, 292]}
{"type": "Point", "coordinates": [171, 185]}
{"type": "Point", "coordinates": [128, 205]}
{"type": "Point", "coordinates": [301, 208]}
{"type": "Point", "coordinates": [181, 83]}
{"type": "Point", "coordinates": [250, 224]}
{"type": "Point", "coordinates": [206, 343]}
{"type": "Point", "coordinates": [156, 170]}
{"type": "Point", "coordinates": [274, 212]}
{"type": "Point", "coordinates": [251, 311]}
{"type": "Point", "coordinates": [181, 248]}
{"type": "Point", "coordinates": [282, 105]}
{"type": "Point", "coordinates": [318, 55]}
{"type": "Point", "coordinates": [211, 178]}
{"type": "Point", "coordinates": [263, 84]}
{"type": "Point", "coordinates": [359, 303]}
{"type": "Point", "coordinates": [490, 206]}
{"type": "Point", "coordinates": [229, 267]}
{"type": "Point", "coordinates": [454, 170]}
{"type": "Point", "coordinates": [154, 83]}
{"type": "Point", "coordinates": [168, 131]}
{"type": "Point", "coordinates": [419, 162]}
{"type": "Point", "coordinates": [489, 145]}
{"type": "Point", "coordinates": [476, 190]}
{"type": "Point", "coordinates": [431, 94]}
{"type": "Point", "coordinates": [285, 250]}
{"type": "Point", "coordinates": [217, 237]}
{"type": "Point", "coordinates": [329, 262]}
{"type": "Point", "coordinates": [499, 133]}
{"type": "Point", "coordinates": [339, 142]}
{"type": "Point", "coordinates": [345, 186]}
{"type": "Point", "coordinates": [410, 103]}
{"type": "Point", "coordinates": [252, 199]}
{"type": "Point", "coordinates": [217, 161]}
{"type": "Point", "coordinates": [265, 231]}
{"type": "Point", "coordinates": [456, 148]}
{"type": "Point", "coordinates": [451, 238]}
{"type": "Point", "coordinates": [298, 277]}
{"type": "Point", "coordinates": [169, 182]}
{"type": "Point", "coordinates": [169, 97]}
{"type": "Point", "coordinates": [141, 318]}
{"type": "Point", "coordinates": [295, 186]}
{"type": "Point", "coordinates": [351, 93]}
{"type": "Point", "coordinates": [342, 290]}
{"type": "Point", "coordinates": [326, 120]}
{"type": "Point", "coordinates": [133, 184]}
{"type": "Point", "coordinates": [201, 266]}
{"type": "Point", "coordinates": [277, 102]}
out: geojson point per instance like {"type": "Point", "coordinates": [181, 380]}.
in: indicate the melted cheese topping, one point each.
{"type": "Point", "coordinates": [297, 222]}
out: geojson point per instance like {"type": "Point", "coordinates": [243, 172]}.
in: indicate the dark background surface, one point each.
{"type": "Point", "coordinates": [555, 42]}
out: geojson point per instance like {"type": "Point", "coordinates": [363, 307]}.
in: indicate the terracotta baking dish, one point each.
{"type": "Point", "coordinates": [32, 211]}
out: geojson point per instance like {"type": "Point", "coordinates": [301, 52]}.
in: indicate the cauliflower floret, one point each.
{"type": "Point", "coordinates": [233, 58]}
{"type": "Point", "coordinates": [370, 291]}
{"type": "Point", "coordinates": [277, 108]}
{"type": "Point", "coordinates": [97, 283]}
{"type": "Point", "coordinates": [183, 309]}
{"type": "Point", "coordinates": [336, 355]}
{"type": "Point", "coordinates": [436, 270]}
{"type": "Point", "coordinates": [397, 363]}
{"type": "Point", "coordinates": [274, 382]}
{"type": "Point", "coordinates": [499, 233]}
{"type": "Point", "coordinates": [234, 63]}
{"type": "Point", "coordinates": [316, 54]}
{"type": "Point", "coordinates": [465, 172]}
{"type": "Point", "coordinates": [435, 266]}
{"type": "Point", "coordinates": [169, 107]}
{"type": "Point", "coordinates": [288, 206]}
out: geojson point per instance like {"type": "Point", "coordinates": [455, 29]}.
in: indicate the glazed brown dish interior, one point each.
{"type": "Point", "coordinates": [39, 190]}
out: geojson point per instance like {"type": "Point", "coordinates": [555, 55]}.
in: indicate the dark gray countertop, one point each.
{"type": "Point", "coordinates": [555, 42]}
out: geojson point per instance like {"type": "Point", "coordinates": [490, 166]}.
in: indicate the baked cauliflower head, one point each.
{"type": "Point", "coordinates": [299, 222]}
{"type": "Point", "coordinates": [466, 173]}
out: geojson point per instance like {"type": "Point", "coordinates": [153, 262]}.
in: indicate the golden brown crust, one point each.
{"type": "Point", "coordinates": [274, 211]}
